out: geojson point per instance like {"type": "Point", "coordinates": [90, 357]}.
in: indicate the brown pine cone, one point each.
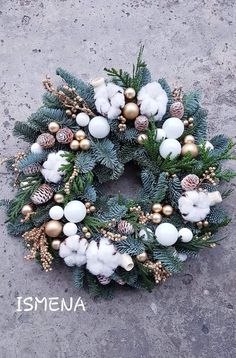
{"type": "Point", "coordinates": [42, 195]}
{"type": "Point", "coordinates": [46, 140]}
{"type": "Point", "coordinates": [32, 169]}
{"type": "Point", "coordinates": [177, 109]}
{"type": "Point", "coordinates": [141, 123]}
{"type": "Point", "coordinates": [64, 135]}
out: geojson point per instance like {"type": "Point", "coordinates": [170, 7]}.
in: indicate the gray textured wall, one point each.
{"type": "Point", "coordinates": [190, 43]}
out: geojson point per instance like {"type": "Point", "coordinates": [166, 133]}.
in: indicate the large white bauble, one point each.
{"type": "Point", "coordinates": [145, 234]}
{"type": "Point", "coordinates": [186, 234]}
{"type": "Point", "coordinates": [36, 148]}
{"type": "Point", "coordinates": [173, 127]}
{"type": "Point", "coordinates": [82, 119]}
{"type": "Point", "coordinates": [70, 229]}
{"type": "Point", "coordinates": [56, 212]}
{"type": "Point", "coordinates": [166, 234]}
{"type": "Point", "coordinates": [99, 127]}
{"type": "Point", "coordinates": [160, 134]}
{"type": "Point", "coordinates": [75, 211]}
{"type": "Point", "coordinates": [170, 146]}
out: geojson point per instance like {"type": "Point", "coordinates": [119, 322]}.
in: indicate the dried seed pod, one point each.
{"type": "Point", "coordinates": [32, 169]}
{"type": "Point", "coordinates": [46, 140]}
{"type": "Point", "coordinates": [64, 135]}
{"type": "Point", "coordinates": [42, 195]}
{"type": "Point", "coordinates": [141, 123]}
{"type": "Point", "coordinates": [177, 109]}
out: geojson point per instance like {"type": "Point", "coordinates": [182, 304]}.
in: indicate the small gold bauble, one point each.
{"type": "Point", "coordinates": [92, 209]}
{"type": "Point", "coordinates": [199, 224]}
{"type": "Point", "coordinates": [131, 110]}
{"type": "Point", "coordinates": [27, 209]}
{"type": "Point", "coordinates": [53, 228]}
{"type": "Point", "coordinates": [130, 93]}
{"type": "Point", "coordinates": [205, 223]}
{"type": "Point", "coordinates": [84, 144]}
{"type": "Point", "coordinates": [141, 138]}
{"type": "Point", "coordinates": [87, 235]}
{"type": "Point", "coordinates": [189, 139]}
{"type": "Point", "coordinates": [79, 135]}
{"type": "Point", "coordinates": [157, 208]}
{"type": "Point", "coordinates": [190, 148]}
{"type": "Point", "coordinates": [185, 122]}
{"type": "Point", "coordinates": [74, 145]}
{"type": "Point", "coordinates": [190, 120]}
{"type": "Point", "coordinates": [53, 127]}
{"type": "Point", "coordinates": [84, 229]}
{"type": "Point", "coordinates": [142, 257]}
{"type": "Point", "coordinates": [87, 204]}
{"type": "Point", "coordinates": [167, 210]}
{"type": "Point", "coordinates": [59, 198]}
{"type": "Point", "coordinates": [156, 218]}
{"type": "Point", "coordinates": [56, 244]}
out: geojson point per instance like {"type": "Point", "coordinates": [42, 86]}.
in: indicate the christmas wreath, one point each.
{"type": "Point", "coordinates": [84, 135]}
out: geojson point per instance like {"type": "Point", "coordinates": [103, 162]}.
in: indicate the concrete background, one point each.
{"type": "Point", "coordinates": [191, 43]}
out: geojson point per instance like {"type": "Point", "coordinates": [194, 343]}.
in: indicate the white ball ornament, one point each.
{"type": "Point", "coordinates": [186, 234]}
{"type": "Point", "coordinates": [70, 229]}
{"type": "Point", "coordinates": [166, 234]}
{"type": "Point", "coordinates": [82, 119]}
{"type": "Point", "coordinates": [99, 127]}
{"type": "Point", "coordinates": [75, 211]}
{"type": "Point", "coordinates": [160, 134]}
{"type": "Point", "coordinates": [36, 148]}
{"type": "Point", "coordinates": [170, 147]}
{"type": "Point", "coordinates": [56, 212]}
{"type": "Point", "coordinates": [173, 127]}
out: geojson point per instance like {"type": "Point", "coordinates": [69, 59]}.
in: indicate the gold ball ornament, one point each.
{"type": "Point", "coordinates": [205, 223]}
{"type": "Point", "coordinates": [156, 218]}
{"type": "Point", "coordinates": [56, 244]}
{"type": "Point", "coordinates": [87, 235]}
{"type": "Point", "coordinates": [141, 138]}
{"type": "Point", "coordinates": [59, 198]}
{"type": "Point", "coordinates": [157, 208]}
{"type": "Point", "coordinates": [27, 209]}
{"type": "Point", "coordinates": [84, 144]}
{"type": "Point", "coordinates": [167, 210]}
{"type": "Point", "coordinates": [130, 93]}
{"type": "Point", "coordinates": [53, 127]}
{"type": "Point", "coordinates": [189, 139]}
{"type": "Point", "coordinates": [142, 257]}
{"type": "Point", "coordinates": [190, 148]}
{"type": "Point", "coordinates": [80, 134]}
{"type": "Point", "coordinates": [53, 228]}
{"type": "Point", "coordinates": [75, 145]}
{"type": "Point", "coordinates": [131, 111]}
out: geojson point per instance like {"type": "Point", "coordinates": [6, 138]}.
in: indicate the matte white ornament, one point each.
{"type": "Point", "coordinates": [36, 148]}
{"type": "Point", "coordinates": [99, 127]}
{"type": "Point", "coordinates": [160, 134]}
{"type": "Point", "coordinates": [75, 211]}
{"type": "Point", "coordinates": [166, 234]}
{"type": "Point", "coordinates": [173, 127]}
{"type": "Point", "coordinates": [170, 146]}
{"type": "Point", "coordinates": [186, 234]}
{"type": "Point", "coordinates": [70, 229]}
{"type": "Point", "coordinates": [145, 234]}
{"type": "Point", "coordinates": [82, 119]}
{"type": "Point", "coordinates": [56, 212]}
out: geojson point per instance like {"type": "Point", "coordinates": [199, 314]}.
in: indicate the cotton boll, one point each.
{"type": "Point", "coordinates": [113, 113]}
{"type": "Point", "coordinates": [105, 249]}
{"type": "Point", "coordinates": [83, 244]}
{"type": "Point", "coordinates": [95, 267]}
{"type": "Point", "coordinates": [73, 242]}
{"type": "Point", "coordinates": [51, 176]}
{"type": "Point", "coordinates": [80, 260]}
{"type": "Point", "coordinates": [118, 100]}
{"type": "Point", "coordinates": [101, 92]}
{"type": "Point", "coordinates": [70, 260]}
{"type": "Point", "coordinates": [51, 167]}
{"type": "Point", "coordinates": [36, 148]}
{"type": "Point", "coordinates": [102, 105]}
{"type": "Point", "coordinates": [106, 271]}
{"type": "Point", "coordinates": [92, 251]}
{"type": "Point", "coordinates": [64, 250]}
{"type": "Point", "coordinates": [113, 89]}
{"type": "Point", "coordinates": [148, 107]}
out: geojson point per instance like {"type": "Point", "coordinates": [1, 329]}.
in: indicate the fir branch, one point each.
{"type": "Point", "coordinates": [78, 277]}
{"type": "Point", "coordinates": [167, 258]}
{"type": "Point", "coordinates": [130, 246]}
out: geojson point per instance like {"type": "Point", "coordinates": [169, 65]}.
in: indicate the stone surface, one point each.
{"type": "Point", "coordinates": [190, 43]}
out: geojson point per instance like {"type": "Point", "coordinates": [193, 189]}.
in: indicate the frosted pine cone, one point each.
{"type": "Point", "coordinates": [177, 109]}
{"type": "Point", "coordinates": [46, 140]}
{"type": "Point", "coordinates": [42, 195]}
{"type": "Point", "coordinates": [190, 182]}
{"type": "Point", "coordinates": [64, 135]}
{"type": "Point", "coordinates": [103, 279]}
{"type": "Point", "coordinates": [124, 227]}
{"type": "Point", "coordinates": [141, 123]}
{"type": "Point", "coordinates": [32, 169]}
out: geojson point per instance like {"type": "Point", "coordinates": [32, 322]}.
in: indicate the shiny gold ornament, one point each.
{"type": "Point", "coordinates": [167, 210]}
{"type": "Point", "coordinates": [80, 134]}
{"type": "Point", "coordinates": [130, 93]}
{"type": "Point", "coordinates": [74, 145]}
{"type": "Point", "coordinates": [189, 139]}
{"type": "Point", "coordinates": [156, 218]}
{"type": "Point", "coordinates": [157, 208]}
{"type": "Point", "coordinates": [87, 235]}
{"type": "Point", "coordinates": [131, 111]}
{"type": "Point", "coordinates": [190, 120]}
{"type": "Point", "coordinates": [53, 228]}
{"type": "Point", "coordinates": [142, 257]}
{"type": "Point", "coordinates": [205, 223]}
{"type": "Point", "coordinates": [56, 244]}
{"type": "Point", "coordinates": [84, 229]}
{"type": "Point", "coordinates": [185, 122]}
{"type": "Point", "coordinates": [84, 144]}
{"type": "Point", "coordinates": [199, 224]}
{"type": "Point", "coordinates": [190, 148]}
{"type": "Point", "coordinates": [27, 209]}
{"type": "Point", "coordinates": [87, 204]}
{"type": "Point", "coordinates": [53, 127]}
{"type": "Point", "coordinates": [92, 209]}
{"type": "Point", "coordinates": [141, 138]}
{"type": "Point", "coordinates": [59, 198]}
